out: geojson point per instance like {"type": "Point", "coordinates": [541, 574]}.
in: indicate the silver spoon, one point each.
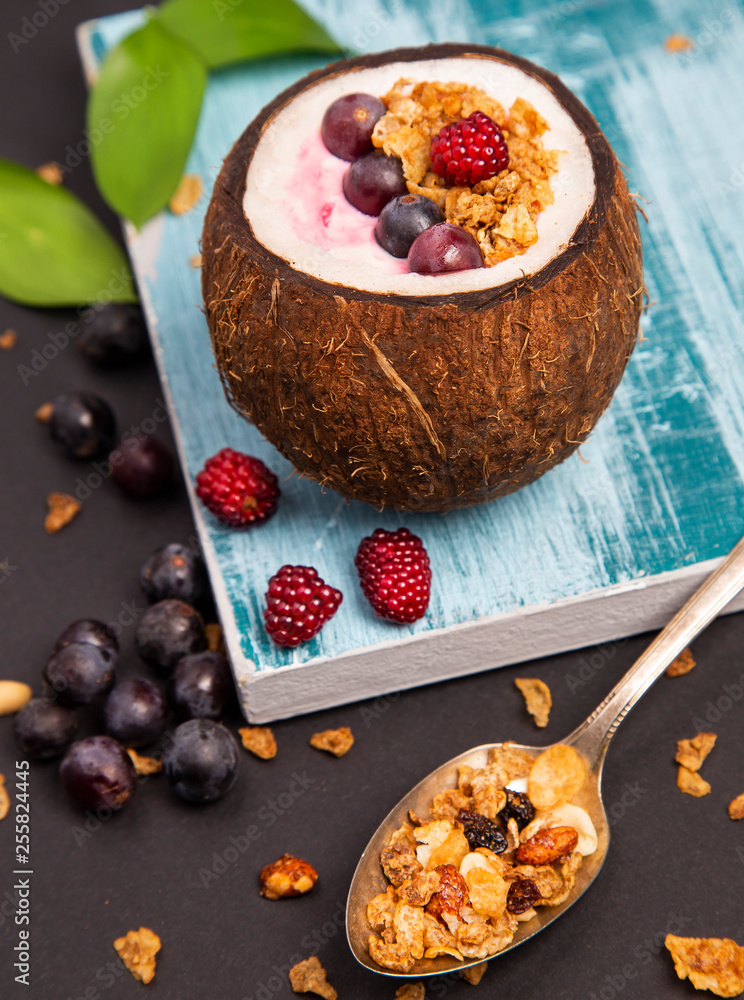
{"type": "Point", "coordinates": [592, 738]}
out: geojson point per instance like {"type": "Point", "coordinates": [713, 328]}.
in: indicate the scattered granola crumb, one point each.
{"type": "Point", "coordinates": [692, 753]}
{"type": "Point", "coordinates": [287, 876]}
{"type": "Point", "coordinates": [187, 194]}
{"type": "Point", "coordinates": [682, 665]}
{"type": "Point", "coordinates": [715, 964]}
{"type": "Point", "coordinates": [51, 173]}
{"type": "Point", "coordinates": [736, 807]}
{"type": "Point", "coordinates": [8, 340]}
{"type": "Point", "coordinates": [474, 973]}
{"type": "Point", "coordinates": [62, 510]}
{"type": "Point", "coordinates": [310, 977]}
{"type": "Point", "coordinates": [335, 741]}
{"type": "Point", "coordinates": [137, 951]}
{"type": "Point", "coordinates": [537, 696]}
{"type": "Point", "coordinates": [145, 765]}
{"type": "Point", "coordinates": [4, 798]}
{"type": "Point", "coordinates": [259, 740]}
{"type": "Point", "coordinates": [411, 991]}
{"type": "Point", "coordinates": [44, 413]}
{"type": "Point", "coordinates": [195, 260]}
{"type": "Point", "coordinates": [678, 43]}
{"type": "Point", "coordinates": [215, 638]}
{"type": "Point", "coordinates": [691, 782]}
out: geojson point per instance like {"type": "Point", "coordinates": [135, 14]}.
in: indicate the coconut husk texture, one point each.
{"type": "Point", "coordinates": [425, 404]}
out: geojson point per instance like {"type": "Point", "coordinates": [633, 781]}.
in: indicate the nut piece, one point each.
{"type": "Point", "coordinates": [411, 991]}
{"type": "Point", "coordinates": [682, 665]}
{"type": "Point", "coordinates": [259, 740]}
{"type": "Point", "coordinates": [474, 973]}
{"type": "Point", "coordinates": [310, 977]}
{"type": "Point", "coordinates": [335, 741]}
{"type": "Point", "coordinates": [62, 510]}
{"type": "Point", "coordinates": [4, 798]}
{"type": "Point", "coordinates": [145, 765]}
{"type": "Point", "coordinates": [715, 964]}
{"type": "Point", "coordinates": [187, 194]}
{"type": "Point", "coordinates": [13, 696]}
{"type": "Point", "coordinates": [736, 807]}
{"type": "Point", "coordinates": [288, 876]}
{"type": "Point", "coordinates": [691, 782]}
{"type": "Point", "coordinates": [548, 845]}
{"type": "Point", "coordinates": [692, 753]}
{"type": "Point", "coordinates": [538, 698]}
{"type": "Point", "coordinates": [137, 951]}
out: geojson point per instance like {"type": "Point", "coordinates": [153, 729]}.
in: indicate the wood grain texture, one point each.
{"type": "Point", "coordinates": [659, 486]}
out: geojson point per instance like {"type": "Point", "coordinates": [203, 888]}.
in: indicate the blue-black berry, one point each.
{"type": "Point", "coordinates": [201, 760]}
{"type": "Point", "coordinates": [403, 219]}
{"type": "Point", "coordinates": [174, 571]}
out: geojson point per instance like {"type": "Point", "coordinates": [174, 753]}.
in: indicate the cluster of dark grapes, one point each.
{"type": "Point", "coordinates": [408, 225]}
{"type": "Point", "coordinates": [199, 755]}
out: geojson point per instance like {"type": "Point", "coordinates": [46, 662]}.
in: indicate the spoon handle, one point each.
{"type": "Point", "coordinates": [594, 735]}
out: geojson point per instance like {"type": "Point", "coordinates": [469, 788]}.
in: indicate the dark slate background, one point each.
{"type": "Point", "coordinates": [675, 864]}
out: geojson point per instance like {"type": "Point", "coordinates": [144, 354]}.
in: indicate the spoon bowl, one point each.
{"type": "Point", "coordinates": [591, 739]}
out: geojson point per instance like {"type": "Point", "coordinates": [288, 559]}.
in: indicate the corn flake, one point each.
{"type": "Point", "coordinates": [310, 977]}
{"type": "Point", "coordinates": [715, 964]}
{"type": "Point", "coordinates": [335, 741]}
{"type": "Point", "coordinates": [411, 991]}
{"type": "Point", "coordinates": [487, 892]}
{"type": "Point", "coordinates": [692, 753]}
{"type": "Point", "coordinates": [683, 664]}
{"type": "Point", "coordinates": [556, 776]}
{"type": "Point", "coordinates": [145, 765]}
{"type": "Point", "coordinates": [736, 807]}
{"type": "Point", "coordinates": [137, 951]}
{"type": "Point", "coordinates": [537, 697]}
{"type": "Point", "coordinates": [691, 783]}
{"type": "Point", "coordinates": [259, 740]}
{"type": "Point", "coordinates": [62, 510]}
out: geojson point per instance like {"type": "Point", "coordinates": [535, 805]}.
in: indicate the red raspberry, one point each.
{"type": "Point", "coordinates": [299, 605]}
{"type": "Point", "coordinates": [239, 489]}
{"type": "Point", "coordinates": [394, 573]}
{"type": "Point", "coordinates": [469, 151]}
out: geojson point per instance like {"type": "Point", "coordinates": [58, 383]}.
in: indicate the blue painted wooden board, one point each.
{"type": "Point", "coordinates": [610, 542]}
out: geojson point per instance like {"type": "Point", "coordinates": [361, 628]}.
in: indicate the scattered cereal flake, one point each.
{"type": "Point", "coordinates": [399, 862]}
{"type": "Point", "coordinates": [447, 804]}
{"type": "Point", "coordinates": [51, 173]}
{"type": "Point", "coordinates": [736, 807]}
{"type": "Point", "coordinates": [408, 924]}
{"type": "Point", "coordinates": [335, 741]}
{"type": "Point", "coordinates": [137, 951]}
{"type": "Point", "coordinates": [692, 753]}
{"type": "Point", "coordinates": [215, 637]}
{"type": "Point", "coordinates": [715, 964]}
{"type": "Point", "coordinates": [310, 977]}
{"type": "Point", "coordinates": [259, 740]}
{"type": "Point", "coordinates": [195, 260]}
{"type": "Point", "coordinates": [411, 991]}
{"type": "Point", "coordinates": [537, 696]}
{"type": "Point", "coordinates": [474, 973]}
{"type": "Point", "coordinates": [187, 194]}
{"type": "Point", "coordinates": [4, 798]}
{"type": "Point", "coordinates": [44, 413]}
{"type": "Point", "coordinates": [487, 892]}
{"type": "Point", "coordinates": [556, 776]}
{"type": "Point", "coordinates": [390, 956]}
{"type": "Point", "coordinates": [145, 765]}
{"type": "Point", "coordinates": [682, 665]}
{"type": "Point", "coordinates": [8, 340]}
{"type": "Point", "coordinates": [678, 43]}
{"type": "Point", "coordinates": [515, 762]}
{"type": "Point", "coordinates": [62, 510]}
{"type": "Point", "coordinates": [691, 782]}
{"type": "Point", "coordinates": [450, 852]}
{"type": "Point", "coordinates": [381, 910]}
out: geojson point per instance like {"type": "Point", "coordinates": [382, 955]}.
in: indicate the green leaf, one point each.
{"type": "Point", "coordinates": [227, 31]}
{"type": "Point", "coordinates": [53, 250]}
{"type": "Point", "coordinates": [142, 115]}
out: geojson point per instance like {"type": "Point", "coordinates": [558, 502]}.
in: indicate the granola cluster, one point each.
{"type": "Point", "coordinates": [500, 212]}
{"type": "Point", "coordinates": [451, 895]}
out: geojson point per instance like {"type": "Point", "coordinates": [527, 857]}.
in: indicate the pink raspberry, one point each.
{"type": "Point", "coordinates": [299, 604]}
{"type": "Point", "coordinates": [395, 575]}
{"type": "Point", "coordinates": [239, 489]}
{"type": "Point", "coordinates": [469, 151]}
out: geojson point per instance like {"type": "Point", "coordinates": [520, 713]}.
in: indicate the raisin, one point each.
{"type": "Point", "coordinates": [519, 808]}
{"type": "Point", "coordinates": [522, 895]}
{"type": "Point", "coordinates": [451, 895]}
{"type": "Point", "coordinates": [481, 832]}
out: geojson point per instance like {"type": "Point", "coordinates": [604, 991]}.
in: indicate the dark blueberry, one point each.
{"type": "Point", "coordinates": [523, 893]}
{"type": "Point", "coordinates": [200, 686]}
{"type": "Point", "coordinates": [44, 729]}
{"type": "Point", "coordinates": [135, 712]}
{"type": "Point", "coordinates": [403, 219]}
{"type": "Point", "coordinates": [372, 180]}
{"type": "Point", "coordinates": [174, 571]}
{"type": "Point", "coordinates": [444, 248]}
{"type": "Point", "coordinates": [82, 423]}
{"type": "Point", "coordinates": [79, 672]}
{"type": "Point", "coordinates": [142, 466]}
{"type": "Point", "coordinates": [481, 832]}
{"type": "Point", "coordinates": [348, 124]}
{"type": "Point", "coordinates": [113, 334]}
{"type": "Point", "coordinates": [518, 807]}
{"type": "Point", "coordinates": [92, 631]}
{"type": "Point", "coordinates": [201, 760]}
{"type": "Point", "coordinates": [97, 773]}
{"type": "Point", "coordinates": [167, 631]}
